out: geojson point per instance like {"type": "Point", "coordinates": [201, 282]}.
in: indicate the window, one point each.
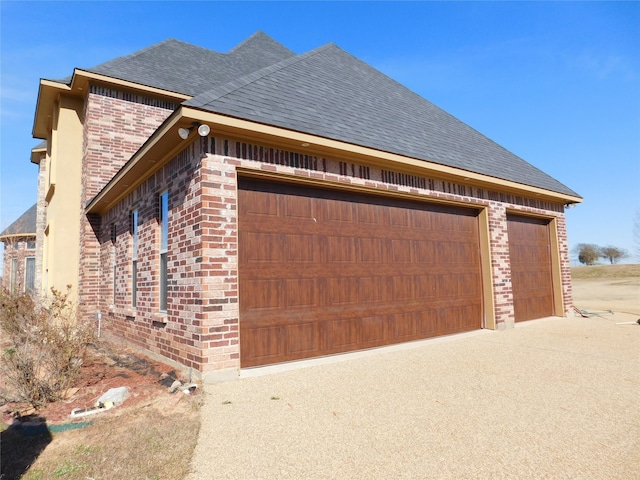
{"type": "Point", "coordinates": [134, 258]}
{"type": "Point", "coordinates": [164, 242]}
{"type": "Point", "coordinates": [30, 274]}
{"type": "Point", "coordinates": [31, 244]}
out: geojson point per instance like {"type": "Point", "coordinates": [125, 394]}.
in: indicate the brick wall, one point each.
{"type": "Point", "coordinates": [116, 124]}
{"type": "Point", "coordinates": [41, 222]}
{"type": "Point", "coordinates": [178, 333]}
{"type": "Point", "coordinates": [18, 249]}
{"type": "Point", "coordinates": [201, 326]}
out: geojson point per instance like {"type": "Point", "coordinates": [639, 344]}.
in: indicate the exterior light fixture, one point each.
{"type": "Point", "coordinates": [203, 130]}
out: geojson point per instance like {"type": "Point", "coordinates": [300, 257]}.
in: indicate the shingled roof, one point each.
{"type": "Point", "coordinates": [329, 93]}
{"type": "Point", "coordinates": [325, 92]}
{"type": "Point", "coordinates": [23, 226]}
{"type": "Point", "coordinates": [184, 68]}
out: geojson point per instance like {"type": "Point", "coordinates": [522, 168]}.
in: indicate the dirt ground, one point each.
{"type": "Point", "coordinates": [618, 294]}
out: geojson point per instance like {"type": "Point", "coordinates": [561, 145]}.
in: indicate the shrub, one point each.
{"type": "Point", "coordinates": [44, 345]}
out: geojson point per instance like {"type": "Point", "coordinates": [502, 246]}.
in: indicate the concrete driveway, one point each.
{"type": "Point", "coordinates": [552, 398]}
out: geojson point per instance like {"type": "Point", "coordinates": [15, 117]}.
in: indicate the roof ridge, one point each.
{"type": "Point", "coordinates": [223, 90]}
{"type": "Point", "coordinates": [246, 40]}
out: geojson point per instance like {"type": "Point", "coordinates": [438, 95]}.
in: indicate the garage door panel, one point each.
{"type": "Point", "coordinates": [300, 248]}
{"type": "Point", "coordinates": [343, 335]}
{"type": "Point", "coordinates": [341, 249]}
{"type": "Point", "coordinates": [402, 287]}
{"type": "Point", "coordinates": [401, 251]}
{"type": "Point", "coordinates": [336, 212]}
{"type": "Point", "coordinates": [300, 293]}
{"type": "Point", "coordinates": [343, 291]}
{"type": "Point", "coordinates": [421, 220]}
{"type": "Point", "coordinates": [355, 272]}
{"type": "Point", "coordinates": [298, 208]}
{"type": "Point", "coordinates": [262, 343]}
{"type": "Point", "coordinates": [403, 327]}
{"type": "Point", "coordinates": [424, 251]}
{"type": "Point", "coordinates": [261, 294]}
{"type": "Point", "coordinates": [303, 338]}
{"type": "Point", "coordinates": [371, 250]}
{"type": "Point", "coordinates": [260, 204]}
{"type": "Point", "coordinates": [371, 214]}
{"type": "Point", "coordinates": [373, 289]}
{"type": "Point", "coordinates": [266, 248]}
{"type": "Point", "coordinates": [399, 217]}
{"type": "Point", "coordinates": [372, 331]}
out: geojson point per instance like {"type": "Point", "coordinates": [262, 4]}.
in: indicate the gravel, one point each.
{"type": "Point", "coordinates": [551, 398]}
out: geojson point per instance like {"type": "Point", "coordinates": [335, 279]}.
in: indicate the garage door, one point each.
{"type": "Point", "coordinates": [324, 272]}
{"type": "Point", "coordinates": [530, 256]}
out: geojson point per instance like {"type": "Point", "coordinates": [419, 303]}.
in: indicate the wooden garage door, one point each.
{"type": "Point", "coordinates": [530, 256]}
{"type": "Point", "coordinates": [323, 272]}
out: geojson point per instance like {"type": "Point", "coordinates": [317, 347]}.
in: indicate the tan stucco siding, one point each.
{"type": "Point", "coordinates": [60, 266]}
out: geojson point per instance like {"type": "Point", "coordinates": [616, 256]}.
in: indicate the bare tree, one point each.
{"type": "Point", "coordinates": [613, 254]}
{"type": "Point", "coordinates": [588, 253]}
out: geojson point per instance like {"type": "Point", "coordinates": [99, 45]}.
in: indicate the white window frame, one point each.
{"type": "Point", "coordinates": [135, 215]}
{"type": "Point", "coordinates": [163, 220]}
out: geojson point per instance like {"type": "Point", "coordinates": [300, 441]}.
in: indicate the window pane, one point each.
{"type": "Point", "coordinates": [134, 283]}
{"type": "Point", "coordinates": [134, 233]}
{"type": "Point", "coordinates": [30, 274]}
{"type": "Point", "coordinates": [163, 282]}
{"type": "Point", "coordinates": [164, 216]}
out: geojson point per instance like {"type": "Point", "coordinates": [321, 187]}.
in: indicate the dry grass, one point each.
{"type": "Point", "coordinates": [151, 436]}
{"type": "Point", "coordinates": [605, 271]}
{"type": "Point", "coordinates": [143, 444]}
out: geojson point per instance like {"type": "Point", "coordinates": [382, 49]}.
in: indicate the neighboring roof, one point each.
{"type": "Point", "coordinates": [23, 226]}
{"type": "Point", "coordinates": [329, 93]}
{"type": "Point", "coordinates": [40, 146]}
{"type": "Point", "coordinates": [184, 68]}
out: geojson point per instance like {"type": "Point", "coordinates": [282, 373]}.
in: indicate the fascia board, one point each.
{"type": "Point", "coordinates": [82, 77]}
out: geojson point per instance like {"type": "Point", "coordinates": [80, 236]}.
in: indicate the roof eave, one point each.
{"type": "Point", "coordinates": [81, 79]}
{"type": "Point", "coordinates": [165, 143]}
{"type": "Point", "coordinates": [36, 154]}
{"type": "Point", "coordinates": [13, 236]}
{"type": "Point", "coordinates": [48, 92]}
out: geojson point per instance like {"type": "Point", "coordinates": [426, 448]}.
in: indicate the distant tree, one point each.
{"type": "Point", "coordinates": [588, 253]}
{"type": "Point", "coordinates": [613, 254]}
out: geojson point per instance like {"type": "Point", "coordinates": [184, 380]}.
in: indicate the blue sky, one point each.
{"type": "Point", "coordinates": [557, 83]}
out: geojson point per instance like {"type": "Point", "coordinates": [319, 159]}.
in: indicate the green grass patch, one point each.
{"type": "Point", "coordinates": [595, 272]}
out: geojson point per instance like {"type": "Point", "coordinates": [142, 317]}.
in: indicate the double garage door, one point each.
{"type": "Point", "coordinates": [324, 272]}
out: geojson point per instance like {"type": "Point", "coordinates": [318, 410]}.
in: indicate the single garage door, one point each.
{"type": "Point", "coordinates": [324, 271]}
{"type": "Point", "coordinates": [530, 257]}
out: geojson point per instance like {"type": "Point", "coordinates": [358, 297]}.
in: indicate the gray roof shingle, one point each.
{"type": "Point", "coordinates": [329, 93]}
{"type": "Point", "coordinates": [184, 68]}
{"type": "Point", "coordinates": [25, 225]}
